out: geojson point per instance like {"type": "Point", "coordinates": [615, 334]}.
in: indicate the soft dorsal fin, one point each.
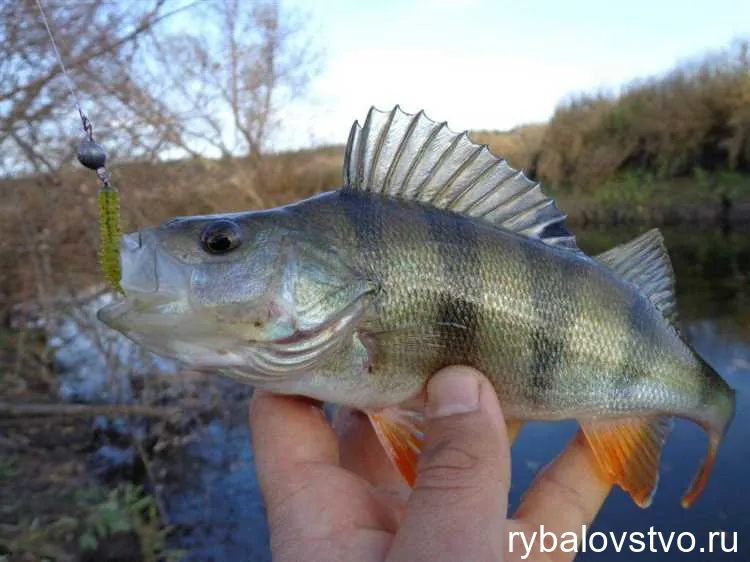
{"type": "Point", "coordinates": [645, 262]}
{"type": "Point", "coordinates": [415, 158]}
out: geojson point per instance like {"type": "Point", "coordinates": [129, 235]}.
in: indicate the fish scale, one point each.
{"type": "Point", "coordinates": [434, 252]}
{"type": "Point", "coordinates": [522, 345]}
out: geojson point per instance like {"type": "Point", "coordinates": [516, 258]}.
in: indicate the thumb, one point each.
{"type": "Point", "coordinates": [459, 505]}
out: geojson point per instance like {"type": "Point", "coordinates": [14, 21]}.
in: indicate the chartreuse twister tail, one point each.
{"type": "Point", "coordinates": [109, 235]}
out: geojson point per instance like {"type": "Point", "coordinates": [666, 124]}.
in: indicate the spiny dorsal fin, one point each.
{"type": "Point", "coordinates": [415, 158]}
{"type": "Point", "coordinates": [645, 262]}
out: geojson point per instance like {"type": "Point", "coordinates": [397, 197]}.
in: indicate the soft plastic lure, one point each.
{"type": "Point", "coordinates": [92, 155]}
{"type": "Point", "coordinates": [109, 235]}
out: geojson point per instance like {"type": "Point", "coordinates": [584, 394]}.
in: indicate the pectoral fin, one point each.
{"type": "Point", "coordinates": [401, 432]}
{"type": "Point", "coordinates": [628, 451]}
{"type": "Point", "coordinates": [514, 427]}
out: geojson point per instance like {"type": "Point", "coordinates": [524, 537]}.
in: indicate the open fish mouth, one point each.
{"type": "Point", "coordinates": [156, 323]}
{"type": "Point", "coordinates": [153, 284]}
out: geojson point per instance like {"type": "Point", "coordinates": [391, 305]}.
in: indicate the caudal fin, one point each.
{"type": "Point", "coordinates": [720, 415]}
{"type": "Point", "coordinates": [701, 479]}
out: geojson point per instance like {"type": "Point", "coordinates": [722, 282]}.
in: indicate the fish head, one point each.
{"type": "Point", "coordinates": [253, 293]}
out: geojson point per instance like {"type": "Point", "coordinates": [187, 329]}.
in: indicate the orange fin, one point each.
{"type": "Point", "coordinates": [628, 451]}
{"type": "Point", "coordinates": [513, 426]}
{"type": "Point", "coordinates": [701, 479]}
{"type": "Point", "coordinates": [401, 432]}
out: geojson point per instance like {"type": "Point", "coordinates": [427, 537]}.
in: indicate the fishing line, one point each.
{"type": "Point", "coordinates": [91, 155]}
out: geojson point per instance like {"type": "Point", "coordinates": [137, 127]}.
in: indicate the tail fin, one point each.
{"type": "Point", "coordinates": [716, 425]}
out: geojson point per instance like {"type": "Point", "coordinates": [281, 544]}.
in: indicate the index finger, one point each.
{"type": "Point", "coordinates": [289, 435]}
{"type": "Point", "coordinates": [361, 452]}
{"type": "Point", "coordinates": [567, 495]}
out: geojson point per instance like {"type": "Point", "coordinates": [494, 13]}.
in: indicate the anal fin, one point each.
{"type": "Point", "coordinates": [628, 451]}
{"type": "Point", "coordinates": [401, 432]}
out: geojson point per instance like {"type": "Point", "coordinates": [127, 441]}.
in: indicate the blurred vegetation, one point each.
{"type": "Point", "coordinates": [121, 523]}
{"type": "Point", "coordinates": [187, 114]}
{"type": "Point", "coordinates": [667, 149]}
{"type": "Point", "coordinates": [521, 146]}
{"type": "Point", "coordinates": [697, 116]}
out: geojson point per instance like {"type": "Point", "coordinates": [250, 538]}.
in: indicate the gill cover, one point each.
{"type": "Point", "coordinates": [313, 306]}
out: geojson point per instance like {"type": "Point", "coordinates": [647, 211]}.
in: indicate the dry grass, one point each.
{"type": "Point", "coordinates": [521, 146]}
{"type": "Point", "coordinates": [695, 116]}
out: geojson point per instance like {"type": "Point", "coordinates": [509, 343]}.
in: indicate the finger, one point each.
{"type": "Point", "coordinates": [458, 508]}
{"type": "Point", "coordinates": [566, 495]}
{"type": "Point", "coordinates": [290, 436]}
{"type": "Point", "coordinates": [360, 452]}
{"type": "Point", "coordinates": [316, 510]}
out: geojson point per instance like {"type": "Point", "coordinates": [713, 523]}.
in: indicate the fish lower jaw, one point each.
{"type": "Point", "coordinates": [112, 314]}
{"type": "Point", "coordinates": [132, 310]}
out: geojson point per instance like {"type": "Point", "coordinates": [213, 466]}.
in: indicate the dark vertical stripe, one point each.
{"type": "Point", "coordinates": [631, 367]}
{"type": "Point", "coordinates": [550, 326]}
{"type": "Point", "coordinates": [547, 354]}
{"type": "Point", "coordinates": [457, 320]}
{"type": "Point", "coordinates": [364, 212]}
{"type": "Point", "coordinates": [456, 311]}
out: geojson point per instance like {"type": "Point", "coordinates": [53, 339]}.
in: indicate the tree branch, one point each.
{"type": "Point", "coordinates": [8, 409]}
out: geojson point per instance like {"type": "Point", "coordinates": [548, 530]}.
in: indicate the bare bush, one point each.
{"type": "Point", "coordinates": [231, 83]}
{"type": "Point", "coordinates": [99, 41]}
{"type": "Point", "coordinates": [156, 86]}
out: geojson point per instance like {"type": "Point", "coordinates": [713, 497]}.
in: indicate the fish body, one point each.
{"type": "Point", "coordinates": [433, 253]}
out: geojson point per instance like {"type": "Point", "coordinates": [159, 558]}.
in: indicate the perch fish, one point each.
{"type": "Point", "coordinates": [434, 252]}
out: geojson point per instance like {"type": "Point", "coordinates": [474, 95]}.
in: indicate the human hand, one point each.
{"type": "Point", "coordinates": [334, 498]}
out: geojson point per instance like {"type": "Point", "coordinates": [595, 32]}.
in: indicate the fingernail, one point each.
{"type": "Point", "coordinates": [452, 392]}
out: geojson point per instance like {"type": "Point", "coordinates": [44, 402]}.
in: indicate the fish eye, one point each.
{"type": "Point", "coordinates": [220, 237]}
